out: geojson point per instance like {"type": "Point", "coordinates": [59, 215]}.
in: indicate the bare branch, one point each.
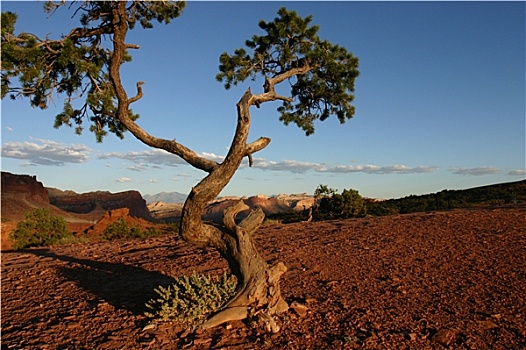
{"type": "Point", "coordinates": [139, 93]}
{"type": "Point", "coordinates": [254, 219]}
{"type": "Point", "coordinates": [269, 91]}
{"type": "Point", "coordinates": [120, 30]}
{"type": "Point", "coordinates": [230, 213]}
{"type": "Point", "coordinates": [254, 147]}
{"type": "Point", "coordinates": [170, 146]}
{"type": "Point", "coordinates": [257, 145]}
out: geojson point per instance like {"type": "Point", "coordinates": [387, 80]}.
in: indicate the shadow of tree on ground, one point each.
{"type": "Point", "coordinates": [121, 285]}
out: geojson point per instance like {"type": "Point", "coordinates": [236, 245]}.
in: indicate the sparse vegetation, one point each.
{"type": "Point", "coordinates": [121, 229]}
{"type": "Point", "coordinates": [498, 194]}
{"type": "Point", "coordinates": [40, 229]}
{"type": "Point", "coordinates": [332, 205]}
{"type": "Point", "coordinates": [84, 68]}
{"type": "Point", "coordinates": [191, 298]}
{"type": "Point", "coordinates": [349, 204]}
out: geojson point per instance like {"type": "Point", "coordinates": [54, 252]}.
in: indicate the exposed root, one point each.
{"type": "Point", "coordinates": [226, 315]}
{"type": "Point", "coordinates": [267, 322]}
{"type": "Point", "coordinates": [258, 296]}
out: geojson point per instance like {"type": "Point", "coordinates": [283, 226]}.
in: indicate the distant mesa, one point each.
{"type": "Point", "coordinates": [166, 212]}
{"type": "Point", "coordinates": [97, 203]}
{"type": "Point", "coordinates": [166, 197]}
{"type": "Point", "coordinates": [171, 212]}
{"type": "Point", "coordinates": [167, 206]}
{"type": "Point", "coordinates": [23, 193]}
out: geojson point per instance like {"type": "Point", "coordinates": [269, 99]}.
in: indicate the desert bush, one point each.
{"type": "Point", "coordinates": [190, 299]}
{"type": "Point", "coordinates": [40, 229]}
{"type": "Point", "coordinates": [332, 205]}
{"type": "Point", "coordinates": [121, 229]}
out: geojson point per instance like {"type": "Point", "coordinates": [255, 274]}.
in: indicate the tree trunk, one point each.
{"type": "Point", "coordinates": [258, 294]}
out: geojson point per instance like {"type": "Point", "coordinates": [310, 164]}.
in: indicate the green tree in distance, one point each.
{"type": "Point", "coordinates": [77, 66]}
{"type": "Point", "coordinates": [332, 205]}
{"type": "Point", "coordinates": [38, 229]}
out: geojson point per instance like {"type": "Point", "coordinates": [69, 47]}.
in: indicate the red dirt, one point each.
{"type": "Point", "coordinates": [440, 280]}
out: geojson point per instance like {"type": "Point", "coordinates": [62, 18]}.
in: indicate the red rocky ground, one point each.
{"type": "Point", "coordinates": [441, 280]}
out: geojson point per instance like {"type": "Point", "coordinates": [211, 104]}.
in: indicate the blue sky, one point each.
{"type": "Point", "coordinates": [440, 103]}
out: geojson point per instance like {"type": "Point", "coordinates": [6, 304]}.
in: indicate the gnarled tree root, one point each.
{"type": "Point", "coordinates": [226, 315]}
{"type": "Point", "coordinates": [262, 306]}
{"type": "Point", "coordinates": [258, 295]}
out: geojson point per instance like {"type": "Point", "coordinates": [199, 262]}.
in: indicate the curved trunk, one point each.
{"type": "Point", "coordinates": [258, 294]}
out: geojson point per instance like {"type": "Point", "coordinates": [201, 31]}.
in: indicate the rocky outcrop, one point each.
{"type": "Point", "coordinates": [112, 216]}
{"type": "Point", "coordinates": [99, 202]}
{"type": "Point", "coordinates": [214, 210]}
{"type": "Point", "coordinates": [23, 187]}
{"type": "Point", "coordinates": [21, 194]}
{"type": "Point", "coordinates": [281, 203]}
{"type": "Point", "coordinates": [167, 212]}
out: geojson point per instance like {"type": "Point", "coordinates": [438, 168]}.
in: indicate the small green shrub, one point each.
{"type": "Point", "coordinates": [332, 205]}
{"type": "Point", "coordinates": [121, 229]}
{"type": "Point", "coordinates": [191, 298]}
{"type": "Point", "coordinates": [40, 229]}
{"type": "Point", "coordinates": [117, 229]}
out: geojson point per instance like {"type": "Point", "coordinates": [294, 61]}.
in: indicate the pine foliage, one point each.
{"type": "Point", "coordinates": [39, 228]}
{"type": "Point", "coordinates": [75, 66]}
{"type": "Point", "coordinates": [290, 43]}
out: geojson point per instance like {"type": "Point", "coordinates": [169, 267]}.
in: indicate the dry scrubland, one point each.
{"type": "Point", "coordinates": [452, 279]}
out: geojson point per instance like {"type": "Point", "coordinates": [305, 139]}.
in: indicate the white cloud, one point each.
{"type": "Point", "coordinates": [159, 158]}
{"type": "Point", "coordinates": [137, 167]}
{"type": "Point", "coordinates": [287, 165]}
{"type": "Point", "coordinates": [517, 172]}
{"type": "Point", "coordinates": [123, 179]}
{"type": "Point", "coordinates": [212, 156]}
{"type": "Point", "coordinates": [8, 128]}
{"type": "Point", "coordinates": [155, 157]}
{"type": "Point", "coordinates": [477, 171]}
{"type": "Point", "coordinates": [376, 169]}
{"type": "Point", "coordinates": [46, 152]}
{"type": "Point", "coordinates": [302, 167]}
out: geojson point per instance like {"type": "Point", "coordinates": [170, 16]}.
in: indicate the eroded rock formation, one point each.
{"type": "Point", "coordinates": [100, 201]}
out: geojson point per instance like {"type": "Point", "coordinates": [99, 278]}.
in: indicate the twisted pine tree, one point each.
{"type": "Point", "coordinates": [77, 66]}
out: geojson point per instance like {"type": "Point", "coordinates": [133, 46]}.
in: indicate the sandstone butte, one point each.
{"type": "Point", "coordinates": [90, 213]}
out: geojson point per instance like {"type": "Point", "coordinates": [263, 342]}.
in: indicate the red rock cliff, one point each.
{"type": "Point", "coordinates": [99, 201]}
{"type": "Point", "coordinates": [23, 187]}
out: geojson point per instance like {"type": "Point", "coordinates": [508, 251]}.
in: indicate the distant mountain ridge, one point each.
{"type": "Point", "coordinates": [22, 193]}
{"type": "Point", "coordinates": [165, 197]}
{"type": "Point", "coordinates": [170, 212]}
